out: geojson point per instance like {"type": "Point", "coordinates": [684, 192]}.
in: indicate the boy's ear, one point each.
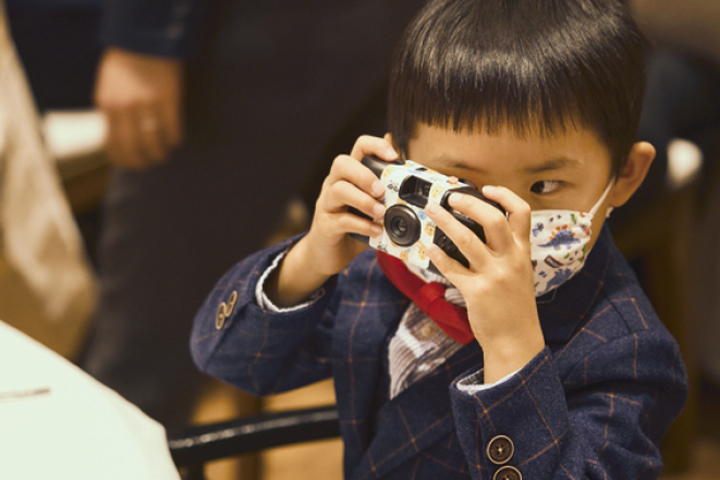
{"type": "Point", "coordinates": [633, 173]}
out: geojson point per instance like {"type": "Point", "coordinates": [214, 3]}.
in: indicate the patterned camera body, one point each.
{"type": "Point", "coordinates": [407, 230]}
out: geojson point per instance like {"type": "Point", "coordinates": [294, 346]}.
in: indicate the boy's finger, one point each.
{"type": "Point", "coordinates": [343, 194]}
{"type": "Point", "coordinates": [368, 145]}
{"type": "Point", "coordinates": [332, 224]}
{"type": "Point", "coordinates": [350, 223]}
{"type": "Point", "coordinates": [346, 168]}
{"type": "Point", "coordinates": [517, 209]}
{"type": "Point", "coordinates": [498, 235]}
{"type": "Point", "coordinates": [464, 239]}
{"type": "Point", "coordinates": [449, 267]}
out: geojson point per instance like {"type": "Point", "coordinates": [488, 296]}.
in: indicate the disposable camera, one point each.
{"type": "Point", "coordinates": [407, 230]}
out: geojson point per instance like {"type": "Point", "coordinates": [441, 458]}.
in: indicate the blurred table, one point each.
{"type": "Point", "coordinates": [76, 140]}
{"type": "Point", "coordinates": [56, 422]}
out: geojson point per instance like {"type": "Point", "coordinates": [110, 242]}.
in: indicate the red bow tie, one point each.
{"type": "Point", "coordinates": [429, 297]}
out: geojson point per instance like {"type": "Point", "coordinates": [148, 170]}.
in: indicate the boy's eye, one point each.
{"type": "Point", "coordinates": [545, 186]}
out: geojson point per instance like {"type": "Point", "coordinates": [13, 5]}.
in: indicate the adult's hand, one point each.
{"type": "Point", "coordinates": [141, 97]}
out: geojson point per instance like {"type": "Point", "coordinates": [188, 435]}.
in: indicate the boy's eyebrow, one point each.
{"type": "Point", "coordinates": [554, 164]}
{"type": "Point", "coordinates": [546, 166]}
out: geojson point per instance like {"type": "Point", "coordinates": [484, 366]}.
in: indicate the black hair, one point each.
{"type": "Point", "coordinates": [530, 65]}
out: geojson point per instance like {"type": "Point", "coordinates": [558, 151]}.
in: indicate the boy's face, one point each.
{"type": "Point", "coordinates": [568, 171]}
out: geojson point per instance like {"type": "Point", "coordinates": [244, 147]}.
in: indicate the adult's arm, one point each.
{"type": "Point", "coordinates": [139, 84]}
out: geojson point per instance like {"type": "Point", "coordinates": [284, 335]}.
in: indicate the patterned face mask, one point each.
{"type": "Point", "coordinates": [559, 244]}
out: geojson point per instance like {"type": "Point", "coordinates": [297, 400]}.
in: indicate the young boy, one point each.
{"type": "Point", "coordinates": [561, 368]}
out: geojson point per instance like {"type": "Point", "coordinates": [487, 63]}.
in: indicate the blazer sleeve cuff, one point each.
{"type": "Point", "coordinates": [474, 382]}
{"type": "Point", "coordinates": [234, 300]}
{"type": "Point", "coordinates": [528, 408]}
{"type": "Point", "coordinates": [264, 301]}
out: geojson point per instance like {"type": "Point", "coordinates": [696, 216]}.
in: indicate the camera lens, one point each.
{"type": "Point", "coordinates": [402, 225]}
{"type": "Point", "coordinates": [399, 227]}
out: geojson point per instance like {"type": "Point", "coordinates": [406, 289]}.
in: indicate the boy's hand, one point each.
{"type": "Point", "coordinates": [349, 184]}
{"type": "Point", "coordinates": [327, 248]}
{"type": "Point", "coordinates": [498, 283]}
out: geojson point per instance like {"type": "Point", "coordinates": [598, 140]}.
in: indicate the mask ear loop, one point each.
{"type": "Point", "coordinates": [594, 210]}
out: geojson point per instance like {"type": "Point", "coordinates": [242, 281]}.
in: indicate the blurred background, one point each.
{"type": "Point", "coordinates": [174, 137]}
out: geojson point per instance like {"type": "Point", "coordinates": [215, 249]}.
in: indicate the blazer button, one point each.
{"type": "Point", "coordinates": [224, 310]}
{"type": "Point", "coordinates": [507, 473]}
{"type": "Point", "coordinates": [500, 450]}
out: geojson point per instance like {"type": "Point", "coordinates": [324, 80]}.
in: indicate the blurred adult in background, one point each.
{"type": "Point", "coordinates": [207, 102]}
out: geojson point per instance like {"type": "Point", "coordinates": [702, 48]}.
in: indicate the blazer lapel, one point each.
{"type": "Point", "coordinates": [417, 418]}
{"type": "Point", "coordinates": [562, 311]}
{"type": "Point", "coordinates": [370, 310]}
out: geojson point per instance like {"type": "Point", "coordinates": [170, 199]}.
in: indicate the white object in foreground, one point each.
{"type": "Point", "coordinates": [57, 422]}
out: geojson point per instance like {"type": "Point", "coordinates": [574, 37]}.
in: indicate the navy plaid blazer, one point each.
{"type": "Point", "coordinates": [594, 404]}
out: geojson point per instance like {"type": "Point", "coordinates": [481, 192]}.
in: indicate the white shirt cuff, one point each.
{"type": "Point", "coordinates": [264, 302]}
{"type": "Point", "coordinates": [474, 382]}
